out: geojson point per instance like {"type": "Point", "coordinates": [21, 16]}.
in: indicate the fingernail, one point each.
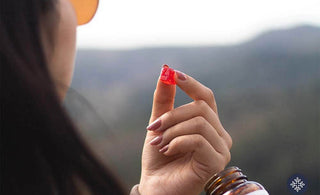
{"type": "Point", "coordinates": [157, 140]}
{"type": "Point", "coordinates": [155, 125]}
{"type": "Point", "coordinates": [181, 75]}
{"type": "Point", "coordinates": [164, 149]}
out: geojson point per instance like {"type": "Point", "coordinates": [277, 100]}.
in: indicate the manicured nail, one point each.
{"type": "Point", "coordinates": [164, 149]}
{"type": "Point", "coordinates": [155, 125]}
{"type": "Point", "coordinates": [181, 75]}
{"type": "Point", "coordinates": [157, 140]}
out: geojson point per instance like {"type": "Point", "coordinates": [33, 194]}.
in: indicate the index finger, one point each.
{"type": "Point", "coordinates": [196, 90]}
{"type": "Point", "coordinates": [163, 99]}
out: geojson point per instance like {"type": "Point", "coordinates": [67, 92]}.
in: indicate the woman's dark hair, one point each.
{"type": "Point", "coordinates": [41, 151]}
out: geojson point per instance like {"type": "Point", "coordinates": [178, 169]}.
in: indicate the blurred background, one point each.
{"type": "Point", "coordinates": [261, 59]}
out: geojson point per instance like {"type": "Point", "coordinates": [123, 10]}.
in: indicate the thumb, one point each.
{"type": "Point", "coordinates": [163, 99]}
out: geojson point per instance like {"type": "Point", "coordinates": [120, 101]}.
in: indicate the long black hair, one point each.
{"type": "Point", "coordinates": [41, 151]}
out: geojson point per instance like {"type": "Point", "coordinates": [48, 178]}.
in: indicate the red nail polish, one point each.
{"type": "Point", "coordinates": [154, 125]}
{"type": "Point", "coordinates": [167, 75]}
{"type": "Point", "coordinates": [164, 149]}
{"type": "Point", "coordinates": [157, 140]}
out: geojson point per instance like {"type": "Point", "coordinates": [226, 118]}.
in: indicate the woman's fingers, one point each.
{"type": "Point", "coordinates": [163, 100]}
{"type": "Point", "coordinates": [207, 159]}
{"type": "Point", "coordinates": [187, 112]}
{"type": "Point", "coordinates": [196, 90]}
{"type": "Point", "coordinates": [204, 106]}
{"type": "Point", "coordinates": [196, 125]}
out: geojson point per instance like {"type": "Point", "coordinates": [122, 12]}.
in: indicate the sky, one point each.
{"type": "Point", "coordinates": [129, 24]}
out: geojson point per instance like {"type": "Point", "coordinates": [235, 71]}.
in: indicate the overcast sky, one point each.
{"type": "Point", "coordinates": [125, 24]}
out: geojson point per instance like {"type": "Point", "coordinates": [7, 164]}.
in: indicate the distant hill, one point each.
{"type": "Point", "coordinates": [275, 59]}
{"type": "Point", "coordinates": [267, 89]}
{"type": "Point", "coordinates": [102, 67]}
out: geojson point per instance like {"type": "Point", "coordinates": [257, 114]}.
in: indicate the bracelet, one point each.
{"type": "Point", "coordinates": [219, 179]}
{"type": "Point", "coordinates": [215, 180]}
{"type": "Point", "coordinates": [209, 184]}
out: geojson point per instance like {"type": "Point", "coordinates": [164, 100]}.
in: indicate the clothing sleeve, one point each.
{"type": "Point", "coordinates": [134, 190]}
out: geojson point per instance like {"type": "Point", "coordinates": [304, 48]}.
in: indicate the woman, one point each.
{"type": "Point", "coordinates": [41, 151]}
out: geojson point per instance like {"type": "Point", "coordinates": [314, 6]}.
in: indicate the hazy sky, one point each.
{"type": "Point", "coordinates": [152, 23]}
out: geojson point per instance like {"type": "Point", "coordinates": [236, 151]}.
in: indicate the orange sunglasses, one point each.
{"type": "Point", "coordinates": [85, 10]}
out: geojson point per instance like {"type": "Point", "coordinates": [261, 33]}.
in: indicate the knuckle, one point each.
{"type": "Point", "coordinates": [169, 115]}
{"type": "Point", "coordinates": [202, 107]}
{"type": "Point", "coordinates": [229, 141]}
{"type": "Point", "coordinates": [176, 142]}
{"type": "Point", "coordinates": [228, 157]}
{"type": "Point", "coordinates": [198, 141]}
{"type": "Point", "coordinates": [201, 104]}
{"type": "Point", "coordinates": [200, 123]}
{"type": "Point", "coordinates": [198, 106]}
{"type": "Point", "coordinates": [210, 94]}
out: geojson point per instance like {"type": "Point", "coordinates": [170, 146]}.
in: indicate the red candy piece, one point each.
{"type": "Point", "coordinates": [167, 75]}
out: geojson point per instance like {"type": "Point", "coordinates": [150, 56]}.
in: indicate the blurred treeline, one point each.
{"type": "Point", "coordinates": [267, 90]}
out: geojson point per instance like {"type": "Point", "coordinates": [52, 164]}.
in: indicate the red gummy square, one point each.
{"type": "Point", "coordinates": [167, 75]}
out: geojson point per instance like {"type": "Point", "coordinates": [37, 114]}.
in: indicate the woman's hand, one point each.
{"type": "Point", "coordinates": [184, 146]}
